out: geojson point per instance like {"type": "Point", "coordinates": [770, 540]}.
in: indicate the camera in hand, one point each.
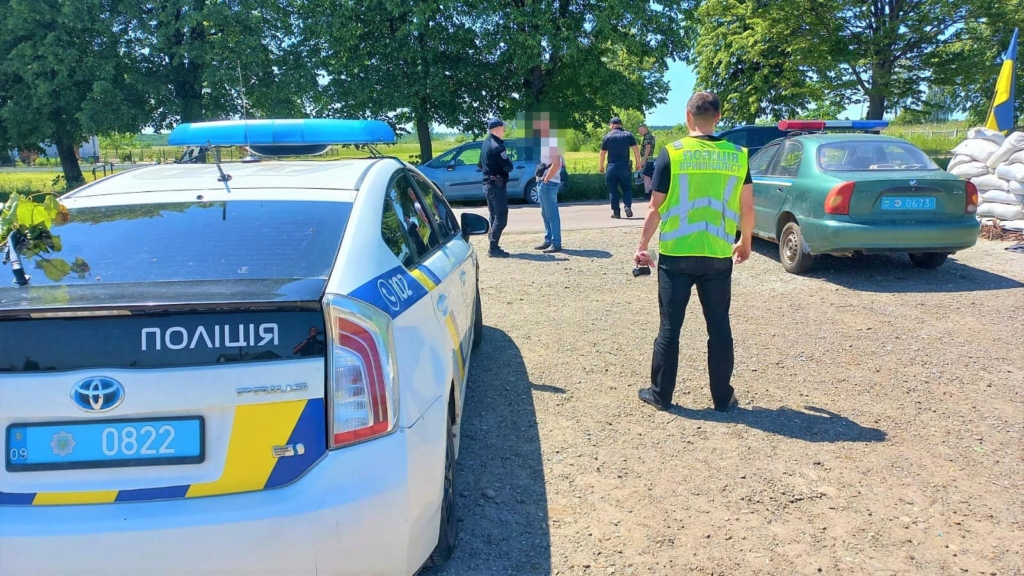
{"type": "Point", "coordinates": [641, 271]}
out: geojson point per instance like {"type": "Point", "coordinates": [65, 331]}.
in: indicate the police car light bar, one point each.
{"type": "Point", "coordinates": [826, 124]}
{"type": "Point", "coordinates": [303, 132]}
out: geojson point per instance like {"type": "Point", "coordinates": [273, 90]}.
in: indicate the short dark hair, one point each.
{"type": "Point", "coordinates": [703, 106]}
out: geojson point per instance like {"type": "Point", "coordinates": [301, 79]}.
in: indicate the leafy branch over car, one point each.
{"type": "Point", "coordinates": [25, 229]}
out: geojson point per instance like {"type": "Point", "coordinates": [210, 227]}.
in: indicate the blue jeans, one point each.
{"type": "Point", "coordinates": [549, 213]}
{"type": "Point", "coordinates": [618, 176]}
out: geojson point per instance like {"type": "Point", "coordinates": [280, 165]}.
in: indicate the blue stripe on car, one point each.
{"type": "Point", "coordinates": [310, 432]}
{"type": "Point", "coordinates": [394, 291]}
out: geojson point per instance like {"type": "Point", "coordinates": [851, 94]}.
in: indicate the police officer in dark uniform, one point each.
{"type": "Point", "coordinates": [616, 146]}
{"type": "Point", "coordinates": [496, 167]}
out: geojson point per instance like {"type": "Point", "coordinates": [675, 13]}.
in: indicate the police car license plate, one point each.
{"type": "Point", "coordinates": [104, 444]}
{"type": "Point", "coordinates": [907, 203]}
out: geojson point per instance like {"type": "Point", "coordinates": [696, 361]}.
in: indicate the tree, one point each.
{"type": "Point", "coordinates": [63, 76]}
{"type": "Point", "coordinates": [118, 141]}
{"type": "Point", "coordinates": [407, 62]}
{"type": "Point", "coordinates": [881, 50]}
{"type": "Point", "coordinates": [200, 54]}
{"type": "Point", "coordinates": [968, 67]}
{"type": "Point", "coordinates": [583, 58]}
{"type": "Point", "coordinates": [740, 54]}
{"type": "Point", "coordinates": [773, 57]}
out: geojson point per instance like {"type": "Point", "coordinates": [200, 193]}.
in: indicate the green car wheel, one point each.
{"type": "Point", "coordinates": [791, 253]}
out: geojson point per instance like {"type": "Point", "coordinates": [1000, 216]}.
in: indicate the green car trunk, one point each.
{"type": "Point", "coordinates": [904, 196]}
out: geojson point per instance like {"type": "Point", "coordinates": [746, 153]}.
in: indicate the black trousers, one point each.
{"type": "Point", "coordinates": [677, 275]}
{"type": "Point", "coordinates": [497, 206]}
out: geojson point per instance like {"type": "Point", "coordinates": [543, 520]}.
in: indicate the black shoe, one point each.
{"type": "Point", "coordinates": [553, 249]}
{"type": "Point", "coordinates": [647, 395]}
{"type": "Point", "coordinates": [629, 212]}
{"type": "Point", "coordinates": [615, 215]}
{"type": "Point", "coordinates": [733, 402]}
{"type": "Point", "coordinates": [498, 253]}
{"type": "Point", "coordinates": [543, 246]}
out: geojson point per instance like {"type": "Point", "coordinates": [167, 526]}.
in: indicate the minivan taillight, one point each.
{"type": "Point", "coordinates": [362, 377]}
{"type": "Point", "coordinates": [838, 199]}
{"type": "Point", "coordinates": [972, 198]}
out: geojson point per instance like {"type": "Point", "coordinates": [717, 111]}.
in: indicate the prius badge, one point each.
{"type": "Point", "coordinates": [97, 394]}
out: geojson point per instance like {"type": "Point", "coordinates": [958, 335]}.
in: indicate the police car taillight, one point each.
{"type": "Point", "coordinates": [362, 378]}
{"type": "Point", "coordinates": [838, 200]}
{"type": "Point", "coordinates": [972, 198]}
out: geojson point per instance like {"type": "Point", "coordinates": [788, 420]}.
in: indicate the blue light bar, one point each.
{"type": "Point", "coordinates": [304, 132]}
{"type": "Point", "coordinates": [858, 124]}
{"type": "Point", "coordinates": [833, 124]}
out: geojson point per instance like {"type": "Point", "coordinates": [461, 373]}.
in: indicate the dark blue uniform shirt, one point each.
{"type": "Point", "coordinates": [618, 143]}
{"type": "Point", "coordinates": [494, 159]}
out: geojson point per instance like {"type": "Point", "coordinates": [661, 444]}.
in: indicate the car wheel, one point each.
{"type": "Point", "coordinates": [927, 259]}
{"type": "Point", "coordinates": [532, 193]}
{"type": "Point", "coordinates": [478, 322]}
{"type": "Point", "coordinates": [449, 529]}
{"type": "Point", "coordinates": [791, 252]}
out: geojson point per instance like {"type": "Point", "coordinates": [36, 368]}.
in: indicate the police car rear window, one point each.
{"type": "Point", "coordinates": [192, 242]}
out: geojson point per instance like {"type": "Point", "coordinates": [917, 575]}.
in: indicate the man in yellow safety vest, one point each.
{"type": "Point", "coordinates": [701, 196]}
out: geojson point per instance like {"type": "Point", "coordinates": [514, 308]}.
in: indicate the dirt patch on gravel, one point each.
{"type": "Point", "coordinates": [879, 428]}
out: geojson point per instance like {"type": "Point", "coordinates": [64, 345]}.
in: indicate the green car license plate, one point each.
{"type": "Point", "coordinates": [907, 203]}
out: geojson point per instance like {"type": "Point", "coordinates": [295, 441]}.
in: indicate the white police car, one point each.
{"type": "Point", "coordinates": [257, 374]}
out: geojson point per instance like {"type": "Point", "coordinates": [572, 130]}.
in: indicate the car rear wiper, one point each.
{"type": "Point", "coordinates": [11, 255]}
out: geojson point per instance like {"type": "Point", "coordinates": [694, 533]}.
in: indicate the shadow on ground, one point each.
{"type": "Point", "coordinates": [893, 273]}
{"type": "Point", "coordinates": [815, 425]}
{"type": "Point", "coordinates": [503, 505]}
{"type": "Point", "coordinates": [561, 256]}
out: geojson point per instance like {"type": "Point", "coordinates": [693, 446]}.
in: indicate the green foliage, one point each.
{"type": "Point", "coordinates": [199, 55]}
{"type": "Point", "coordinates": [969, 65]}
{"type": "Point", "coordinates": [63, 76]}
{"type": "Point", "coordinates": [582, 58]}
{"type": "Point", "coordinates": [407, 62]}
{"type": "Point", "coordinates": [742, 54]}
{"type": "Point", "coordinates": [775, 58]}
{"type": "Point", "coordinates": [27, 223]}
{"type": "Point", "coordinates": [116, 141]}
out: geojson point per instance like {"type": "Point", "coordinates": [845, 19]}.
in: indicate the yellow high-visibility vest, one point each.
{"type": "Point", "coordinates": [700, 215]}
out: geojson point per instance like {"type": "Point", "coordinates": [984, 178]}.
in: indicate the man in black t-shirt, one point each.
{"type": "Point", "coordinates": [616, 145]}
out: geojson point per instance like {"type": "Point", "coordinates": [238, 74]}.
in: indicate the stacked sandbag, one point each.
{"type": "Point", "coordinates": [995, 164]}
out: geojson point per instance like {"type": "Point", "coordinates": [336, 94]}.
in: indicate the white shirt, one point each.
{"type": "Point", "coordinates": [548, 152]}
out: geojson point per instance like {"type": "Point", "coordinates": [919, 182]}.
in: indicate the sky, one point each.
{"type": "Point", "coordinates": [681, 80]}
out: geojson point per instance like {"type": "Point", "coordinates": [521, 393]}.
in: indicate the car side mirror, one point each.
{"type": "Point", "coordinates": [451, 166]}
{"type": "Point", "coordinates": [474, 225]}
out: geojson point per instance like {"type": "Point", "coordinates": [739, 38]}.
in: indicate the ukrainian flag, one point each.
{"type": "Point", "coordinates": [1000, 116]}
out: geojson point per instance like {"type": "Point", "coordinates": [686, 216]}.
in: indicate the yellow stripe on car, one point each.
{"type": "Point", "coordinates": [255, 430]}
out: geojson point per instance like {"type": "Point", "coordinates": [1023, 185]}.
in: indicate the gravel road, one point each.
{"type": "Point", "coordinates": [879, 429]}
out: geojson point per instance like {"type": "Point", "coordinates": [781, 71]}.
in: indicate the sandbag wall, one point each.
{"type": "Point", "coordinates": [995, 164]}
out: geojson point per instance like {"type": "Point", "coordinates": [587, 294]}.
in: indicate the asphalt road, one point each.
{"type": "Point", "coordinates": [525, 218]}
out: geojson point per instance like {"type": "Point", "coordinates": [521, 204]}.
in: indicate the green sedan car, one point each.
{"type": "Point", "coordinates": [847, 193]}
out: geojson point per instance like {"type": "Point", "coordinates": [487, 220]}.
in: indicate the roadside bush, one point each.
{"type": "Point", "coordinates": [590, 187]}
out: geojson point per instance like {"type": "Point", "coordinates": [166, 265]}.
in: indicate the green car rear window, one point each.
{"type": "Point", "coordinates": [872, 155]}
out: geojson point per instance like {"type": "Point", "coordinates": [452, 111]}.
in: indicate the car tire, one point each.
{"type": "Point", "coordinates": [927, 260]}
{"type": "Point", "coordinates": [791, 253]}
{"type": "Point", "coordinates": [531, 194]}
{"type": "Point", "coordinates": [448, 532]}
{"type": "Point", "coordinates": [478, 322]}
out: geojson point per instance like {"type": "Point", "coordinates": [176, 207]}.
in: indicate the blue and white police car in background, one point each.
{"type": "Point", "coordinates": [252, 368]}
